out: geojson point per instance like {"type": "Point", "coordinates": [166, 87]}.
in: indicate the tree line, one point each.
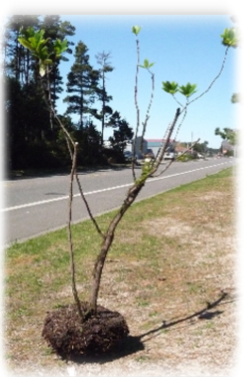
{"type": "Point", "coordinates": [33, 138]}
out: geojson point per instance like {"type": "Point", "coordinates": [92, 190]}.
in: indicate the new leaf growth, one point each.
{"type": "Point", "coordinates": [38, 45]}
{"type": "Point", "coordinates": [230, 37]}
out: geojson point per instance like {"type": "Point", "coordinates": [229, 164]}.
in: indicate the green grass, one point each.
{"type": "Point", "coordinates": [43, 263]}
{"type": "Point", "coordinates": [150, 260]}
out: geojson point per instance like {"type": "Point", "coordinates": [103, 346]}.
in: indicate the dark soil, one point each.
{"type": "Point", "coordinates": [70, 338]}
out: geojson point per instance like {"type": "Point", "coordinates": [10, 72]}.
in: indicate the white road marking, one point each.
{"type": "Point", "coordinates": [18, 207]}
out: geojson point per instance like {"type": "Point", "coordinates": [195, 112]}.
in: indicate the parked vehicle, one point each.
{"type": "Point", "coordinates": [200, 156]}
{"type": "Point", "coordinates": [128, 155]}
{"type": "Point", "coordinates": [169, 156]}
{"type": "Point", "coordinates": [150, 153]}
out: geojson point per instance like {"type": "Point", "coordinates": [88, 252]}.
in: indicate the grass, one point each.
{"type": "Point", "coordinates": [171, 254]}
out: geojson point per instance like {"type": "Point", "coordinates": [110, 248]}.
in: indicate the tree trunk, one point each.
{"type": "Point", "coordinates": [107, 242]}
{"type": "Point", "coordinates": [103, 110]}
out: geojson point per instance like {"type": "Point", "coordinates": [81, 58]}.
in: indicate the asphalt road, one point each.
{"type": "Point", "coordinates": [35, 206]}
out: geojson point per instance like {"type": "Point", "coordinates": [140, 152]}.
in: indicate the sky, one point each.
{"type": "Point", "coordinates": [184, 48]}
{"type": "Point", "coordinates": [184, 43]}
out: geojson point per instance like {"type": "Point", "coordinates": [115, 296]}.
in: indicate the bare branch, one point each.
{"type": "Point", "coordinates": [137, 109]}
{"type": "Point", "coordinates": [182, 121]}
{"type": "Point", "coordinates": [162, 152]}
{"type": "Point", "coordinates": [179, 103]}
{"type": "Point", "coordinates": [171, 161]}
{"type": "Point", "coordinates": [216, 77]}
{"type": "Point", "coordinates": [88, 208]}
{"type": "Point", "coordinates": [109, 237]}
{"type": "Point", "coordinates": [149, 107]}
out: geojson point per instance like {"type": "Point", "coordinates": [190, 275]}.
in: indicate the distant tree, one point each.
{"type": "Point", "coordinates": [235, 98]}
{"type": "Point", "coordinates": [103, 61]}
{"type": "Point", "coordinates": [82, 85]}
{"type": "Point", "coordinates": [55, 29]}
{"type": "Point", "coordinates": [26, 121]}
{"type": "Point", "coordinates": [122, 132]}
{"type": "Point", "coordinates": [89, 147]}
{"type": "Point", "coordinates": [29, 123]}
{"type": "Point", "coordinates": [201, 147]}
{"type": "Point", "coordinates": [227, 134]}
{"type": "Point", "coordinates": [18, 61]}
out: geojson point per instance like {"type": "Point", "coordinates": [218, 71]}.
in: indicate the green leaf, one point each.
{"type": "Point", "coordinates": [38, 45]}
{"type": "Point", "coordinates": [43, 53]}
{"type": "Point", "coordinates": [146, 64]}
{"type": "Point", "coordinates": [171, 88]}
{"type": "Point", "coordinates": [60, 47]}
{"type": "Point", "coordinates": [230, 37]}
{"type": "Point", "coordinates": [188, 89]}
{"type": "Point", "coordinates": [136, 29]}
{"type": "Point", "coordinates": [26, 44]}
{"type": "Point", "coordinates": [48, 62]}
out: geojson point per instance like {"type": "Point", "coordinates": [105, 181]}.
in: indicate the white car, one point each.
{"type": "Point", "coordinates": [169, 156]}
{"type": "Point", "coordinates": [200, 156]}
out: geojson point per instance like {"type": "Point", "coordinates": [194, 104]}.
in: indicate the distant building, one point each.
{"type": "Point", "coordinates": [179, 149]}
{"type": "Point", "coordinates": [155, 144]}
{"type": "Point", "coordinates": [128, 146]}
{"type": "Point", "coordinates": [140, 148]}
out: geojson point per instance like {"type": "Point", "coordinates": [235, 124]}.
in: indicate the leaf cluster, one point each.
{"type": "Point", "coordinates": [38, 45]}
{"type": "Point", "coordinates": [230, 37]}
{"type": "Point", "coordinates": [172, 88]}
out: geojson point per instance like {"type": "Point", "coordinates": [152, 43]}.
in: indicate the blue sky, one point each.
{"type": "Point", "coordinates": [184, 49]}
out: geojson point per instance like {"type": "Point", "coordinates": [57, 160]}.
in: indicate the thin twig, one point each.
{"type": "Point", "coordinates": [216, 77]}
{"type": "Point", "coordinates": [137, 110]}
{"type": "Point", "coordinates": [182, 121]}
{"type": "Point", "coordinates": [88, 208]}
{"type": "Point", "coordinates": [171, 129]}
{"type": "Point", "coordinates": [179, 103]}
{"type": "Point", "coordinates": [171, 161]}
{"type": "Point", "coordinates": [149, 107]}
{"type": "Point", "coordinates": [72, 262]}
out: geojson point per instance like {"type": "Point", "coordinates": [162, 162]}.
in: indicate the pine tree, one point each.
{"type": "Point", "coordinates": [103, 61]}
{"type": "Point", "coordinates": [82, 85]}
{"type": "Point", "coordinates": [18, 62]}
{"type": "Point", "coordinates": [54, 29]}
{"type": "Point", "coordinates": [28, 121]}
{"type": "Point", "coordinates": [122, 132]}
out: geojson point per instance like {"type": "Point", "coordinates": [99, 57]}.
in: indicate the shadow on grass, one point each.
{"type": "Point", "coordinates": [133, 344]}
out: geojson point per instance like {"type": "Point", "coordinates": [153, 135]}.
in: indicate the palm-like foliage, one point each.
{"type": "Point", "coordinates": [37, 44]}
{"type": "Point", "coordinates": [171, 88]}
{"type": "Point", "coordinates": [188, 89]}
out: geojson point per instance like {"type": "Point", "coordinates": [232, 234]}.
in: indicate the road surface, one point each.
{"type": "Point", "coordinates": [35, 206]}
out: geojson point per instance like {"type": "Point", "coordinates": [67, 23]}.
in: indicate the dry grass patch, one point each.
{"type": "Point", "coordinates": [179, 261]}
